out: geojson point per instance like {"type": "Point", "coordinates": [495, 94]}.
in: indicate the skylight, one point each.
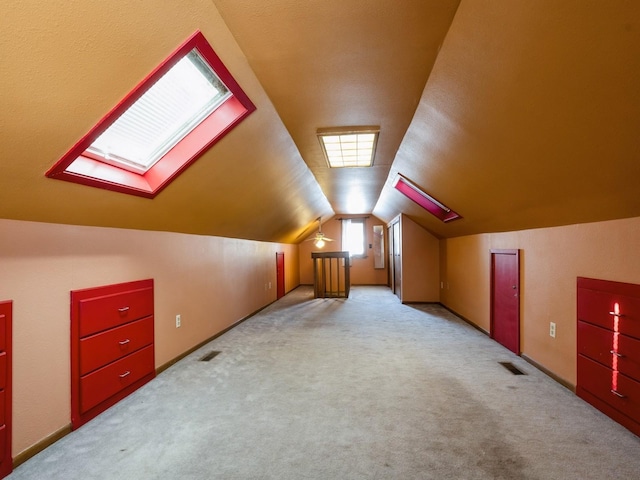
{"type": "Point", "coordinates": [187, 104]}
{"type": "Point", "coordinates": [422, 198]}
{"type": "Point", "coordinates": [353, 147]}
{"type": "Point", "coordinates": [163, 116]}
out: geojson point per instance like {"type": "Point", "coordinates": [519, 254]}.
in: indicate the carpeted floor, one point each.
{"type": "Point", "coordinates": [364, 388]}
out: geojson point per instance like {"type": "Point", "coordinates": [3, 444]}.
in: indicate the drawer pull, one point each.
{"type": "Point", "coordinates": [127, 373]}
{"type": "Point", "coordinates": [124, 342]}
{"type": "Point", "coordinates": [1, 316]}
{"type": "Point", "coordinates": [619, 355]}
{"type": "Point", "coordinates": [123, 309]}
{"type": "Point", "coordinates": [616, 314]}
{"type": "Point", "coordinates": [618, 394]}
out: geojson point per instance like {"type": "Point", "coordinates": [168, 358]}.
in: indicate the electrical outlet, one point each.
{"type": "Point", "coordinates": [441, 285]}
{"type": "Point", "coordinates": [178, 321]}
{"type": "Point", "coordinates": [269, 285]}
{"type": "Point", "coordinates": [552, 329]}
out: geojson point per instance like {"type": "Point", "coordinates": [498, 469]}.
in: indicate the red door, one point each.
{"type": "Point", "coordinates": [279, 275]}
{"type": "Point", "coordinates": [505, 298]}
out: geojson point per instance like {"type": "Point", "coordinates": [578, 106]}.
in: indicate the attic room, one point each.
{"type": "Point", "coordinates": [519, 117]}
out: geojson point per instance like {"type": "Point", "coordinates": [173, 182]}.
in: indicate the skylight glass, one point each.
{"type": "Point", "coordinates": [349, 149]}
{"type": "Point", "coordinates": [168, 111]}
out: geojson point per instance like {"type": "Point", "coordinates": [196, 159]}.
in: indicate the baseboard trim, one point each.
{"type": "Point", "coordinates": [527, 359]}
{"type": "Point", "coordinates": [40, 446]}
{"type": "Point", "coordinates": [462, 317]}
{"type": "Point", "coordinates": [57, 435]}
{"type": "Point", "coordinates": [175, 360]}
{"type": "Point", "coordinates": [549, 373]}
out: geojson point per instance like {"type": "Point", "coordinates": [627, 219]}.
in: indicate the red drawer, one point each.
{"type": "Point", "coordinates": [102, 313]}
{"type": "Point", "coordinates": [102, 348]}
{"type": "Point", "coordinates": [107, 381]}
{"type": "Point", "coordinates": [598, 343]}
{"type": "Point", "coordinates": [3, 332]}
{"type": "Point", "coordinates": [598, 380]}
{"type": "Point", "coordinates": [3, 441]}
{"type": "Point", "coordinates": [595, 307]}
{"type": "Point", "coordinates": [2, 404]}
{"type": "Point", "coordinates": [3, 369]}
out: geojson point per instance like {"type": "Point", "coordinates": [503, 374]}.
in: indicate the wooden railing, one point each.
{"type": "Point", "coordinates": [331, 274]}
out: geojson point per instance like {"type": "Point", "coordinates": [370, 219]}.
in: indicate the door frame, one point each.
{"type": "Point", "coordinates": [395, 252]}
{"type": "Point", "coordinates": [502, 251]}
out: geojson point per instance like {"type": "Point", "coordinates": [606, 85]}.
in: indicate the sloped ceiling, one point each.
{"type": "Point", "coordinates": [66, 64]}
{"type": "Point", "coordinates": [530, 118]}
{"type": "Point", "coordinates": [336, 63]}
{"type": "Point", "coordinates": [516, 114]}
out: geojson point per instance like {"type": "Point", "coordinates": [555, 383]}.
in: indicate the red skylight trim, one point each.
{"type": "Point", "coordinates": [426, 201]}
{"type": "Point", "coordinates": [78, 168]}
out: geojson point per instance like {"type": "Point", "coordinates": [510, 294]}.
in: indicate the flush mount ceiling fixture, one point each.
{"type": "Point", "coordinates": [347, 147]}
{"type": "Point", "coordinates": [426, 201]}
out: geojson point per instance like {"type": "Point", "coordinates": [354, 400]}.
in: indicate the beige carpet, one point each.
{"type": "Point", "coordinates": [364, 388]}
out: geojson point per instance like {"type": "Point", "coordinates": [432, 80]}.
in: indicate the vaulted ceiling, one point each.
{"type": "Point", "coordinates": [515, 113]}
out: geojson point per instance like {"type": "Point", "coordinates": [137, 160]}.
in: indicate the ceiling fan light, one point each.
{"type": "Point", "coordinates": [319, 243]}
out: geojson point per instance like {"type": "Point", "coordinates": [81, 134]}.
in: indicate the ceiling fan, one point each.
{"type": "Point", "coordinates": [319, 238]}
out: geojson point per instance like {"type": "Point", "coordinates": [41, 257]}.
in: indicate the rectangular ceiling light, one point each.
{"type": "Point", "coordinates": [426, 201]}
{"type": "Point", "coordinates": [349, 146]}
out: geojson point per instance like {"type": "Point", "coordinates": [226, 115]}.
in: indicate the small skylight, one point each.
{"type": "Point", "coordinates": [350, 147]}
{"type": "Point", "coordinates": [163, 116]}
{"type": "Point", "coordinates": [181, 109]}
{"type": "Point", "coordinates": [422, 198]}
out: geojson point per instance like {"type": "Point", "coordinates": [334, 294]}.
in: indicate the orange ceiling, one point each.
{"type": "Point", "coordinates": [516, 114]}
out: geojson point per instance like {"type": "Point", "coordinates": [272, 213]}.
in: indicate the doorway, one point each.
{"type": "Point", "coordinates": [395, 273]}
{"type": "Point", "coordinates": [505, 298]}
{"type": "Point", "coordinates": [279, 275]}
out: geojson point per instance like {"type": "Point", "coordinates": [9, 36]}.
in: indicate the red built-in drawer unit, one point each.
{"type": "Point", "coordinates": [608, 345]}
{"type": "Point", "coordinates": [112, 348]}
{"type": "Point", "coordinates": [6, 317]}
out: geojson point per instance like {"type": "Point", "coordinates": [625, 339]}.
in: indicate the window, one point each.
{"type": "Point", "coordinates": [353, 238]}
{"type": "Point", "coordinates": [166, 123]}
{"type": "Point", "coordinates": [349, 147]}
{"type": "Point", "coordinates": [422, 198]}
